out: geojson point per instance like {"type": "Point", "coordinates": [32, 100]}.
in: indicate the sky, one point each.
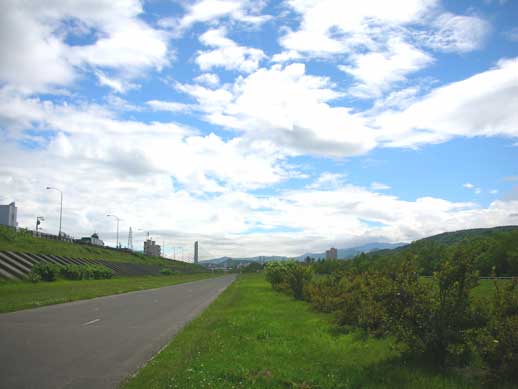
{"type": "Point", "coordinates": [260, 127]}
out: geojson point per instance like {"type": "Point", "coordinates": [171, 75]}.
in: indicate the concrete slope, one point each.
{"type": "Point", "coordinates": [96, 343]}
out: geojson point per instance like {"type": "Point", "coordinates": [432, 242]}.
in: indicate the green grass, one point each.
{"type": "Point", "coordinates": [19, 295]}
{"type": "Point", "coordinates": [253, 337]}
{"type": "Point", "coordinates": [24, 242]}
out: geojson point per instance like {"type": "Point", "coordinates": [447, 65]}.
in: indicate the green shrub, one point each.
{"type": "Point", "coordinates": [33, 277]}
{"type": "Point", "coordinates": [299, 275]}
{"type": "Point", "coordinates": [276, 274]}
{"type": "Point", "coordinates": [166, 272]}
{"type": "Point", "coordinates": [498, 341]}
{"type": "Point", "coordinates": [435, 319]}
{"type": "Point", "coordinates": [98, 272]}
{"type": "Point", "coordinates": [289, 276]}
{"type": "Point", "coordinates": [324, 293]}
{"type": "Point", "coordinates": [46, 271]}
{"type": "Point", "coordinates": [71, 272]}
{"type": "Point", "coordinates": [85, 272]}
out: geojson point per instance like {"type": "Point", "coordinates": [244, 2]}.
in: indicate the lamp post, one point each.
{"type": "Point", "coordinates": [118, 220]}
{"type": "Point", "coordinates": [39, 219]}
{"type": "Point", "coordinates": [60, 207]}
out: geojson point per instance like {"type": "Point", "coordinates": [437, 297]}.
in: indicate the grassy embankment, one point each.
{"type": "Point", "coordinates": [16, 295]}
{"type": "Point", "coordinates": [19, 295]}
{"type": "Point", "coordinates": [24, 242]}
{"type": "Point", "coordinates": [253, 337]}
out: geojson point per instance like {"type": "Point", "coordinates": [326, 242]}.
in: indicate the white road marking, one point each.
{"type": "Point", "coordinates": [91, 322]}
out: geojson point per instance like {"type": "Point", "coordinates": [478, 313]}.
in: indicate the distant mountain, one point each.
{"type": "Point", "coordinates": [229, 260]}
{"type": "Point", "coordinates": [353, 251]}
{"type": "Point", "coordinates": [342, 254]}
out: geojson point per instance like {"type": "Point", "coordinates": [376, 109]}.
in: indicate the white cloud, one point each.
{"type": "Point", "coordinates": [379, 186]}
{"type": "Point", "coordinates": [327, 180]}
{"type": "Point", "coordinates": [227, 53]}
{"type": "Point", "coordinates": [286, 56]}
{"type": "Point", "coordinates": [377, 71]}
{"type": "Point", "coordinates": [289, 108]}
{"type": "Point", "coordinates": [481, 105]}
{"type": "Point", "coordinates": [335, 26]}
{"type": "Point", "coordinates": [493, 191]}
{"type": "Point", "coordinates": [210, 79]}
{"type": "Point", "coordinates": [377, 42]}
{"type": "Point", "coordinates": [207, 11]}
{"type": "Point", "coordinates": [118, 85]}
{"type": "Point", "coordinates": [171, 106]}
{"type": "Point", "coordinates": [183, 212]}
{"type": "Point", "coordinates": [36, 55]}
{"type": "Point", "coordinates": [456, 33]}
{"type": "Point", "coordinates": [472, 187]}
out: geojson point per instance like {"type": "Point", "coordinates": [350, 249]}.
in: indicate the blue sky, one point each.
{"type": "Point", "coordinates": [261, 127]}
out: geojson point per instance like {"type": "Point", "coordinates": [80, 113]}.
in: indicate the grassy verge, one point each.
{"type": "Point", "coordinates": [15, 296]}
{"type": "Point", "coordinates": [253, 337]}
{"type": "Point", "coordinates": [25, 242]}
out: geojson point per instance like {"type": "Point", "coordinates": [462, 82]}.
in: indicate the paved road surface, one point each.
{"type": "Point", "coordinates": [96, 343]}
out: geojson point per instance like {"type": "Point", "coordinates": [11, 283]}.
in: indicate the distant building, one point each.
{"type": "Point", "coordinates": [331, 253]}
{"type": "Point", "coordinates": [94, 239]}
{"type": "Point", "coordinates": [8, 215]}
{"type": "Point", "coordinates": [151, 248]}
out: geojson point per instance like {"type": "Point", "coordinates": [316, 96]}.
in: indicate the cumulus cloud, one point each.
{"type": "Point", "coordinates": [377, 71]}
{"type": "Point", "coordinates": [327, 180]}
{"type": "Point", "coordinates": [481, 105]}
{"type": "Point", "coordinates": [210, 79]}
{"type": "Point", "coordinates": [289, 107]}
{"type": "Point", "coordinates": [226, 221]}
{"type": "Point", "coordinates": [378, 43]}
{"type": "Point", "coordinates": [227, 53]}
{"type": "Point", "coordinates": [209, 11]}
{"type": "Point", "coordinates": [334, 26]}
{"type": "Point", "coordinates": [34, 32]}
{"type": "Point", "coordinates": [171, 106]}
{"type": "Point", "coordinates": [457, 33]}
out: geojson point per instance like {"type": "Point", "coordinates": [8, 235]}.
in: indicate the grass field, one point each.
{"type": "Point", "coordinates": [253, 337]}
{"type": "Point", "coordinates": [19, 295]}
{"type": "Point", "coordinates": [24, 242]}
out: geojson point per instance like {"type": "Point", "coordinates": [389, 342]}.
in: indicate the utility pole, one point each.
{"type": "Point", "coordinates": [196, 252]}
{"type": "Point", "coordinates": [118, 220]}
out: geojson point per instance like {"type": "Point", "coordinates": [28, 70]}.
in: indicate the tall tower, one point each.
{"type": "Point", "coordinates": [130, 239]}
{"type": "Point", "coordinates": [196, 252]}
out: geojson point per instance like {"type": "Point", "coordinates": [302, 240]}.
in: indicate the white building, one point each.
{"type": "Point", "coordinates": [8, 215]}
{"type": "Point", "coordinates": [151, 248]}
{"type": "Point", "coordinates": [94, 239]}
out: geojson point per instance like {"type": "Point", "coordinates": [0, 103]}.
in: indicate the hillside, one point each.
{"type": "Point", "coordinates": [458, 236]}
{"type": "Point", "coordinates": [489, 247]}
{"type": "Point", "coordinates": [25, 242]}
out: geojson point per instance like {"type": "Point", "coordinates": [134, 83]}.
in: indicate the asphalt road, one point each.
{"type": "Point", "coordinates": [97, 343]}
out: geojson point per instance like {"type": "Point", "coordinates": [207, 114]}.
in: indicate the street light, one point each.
{"type": "Point", "coordinates": [39, 219]}
{"type": "Point", "coordinates": [118, 220]}
{"type": "Point", "coordinates": [60, 207]}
